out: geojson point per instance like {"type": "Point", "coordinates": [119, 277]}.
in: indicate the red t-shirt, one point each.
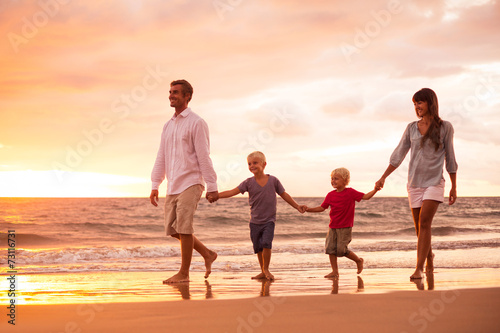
{"type": "Point", "coordinates": [342, 207]}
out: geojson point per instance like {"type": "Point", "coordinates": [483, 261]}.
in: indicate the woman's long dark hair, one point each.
{"type": "Point", "coordinates": [434, 131]}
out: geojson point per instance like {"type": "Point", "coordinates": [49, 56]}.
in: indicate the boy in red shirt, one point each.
{"type": "Point", "coordinates": [342, 202]}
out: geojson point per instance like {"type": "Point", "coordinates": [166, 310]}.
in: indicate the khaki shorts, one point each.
{"type": "Point", "coordinates": [180, 209]}
{"type": "Point", "coordinates": [337, 241]}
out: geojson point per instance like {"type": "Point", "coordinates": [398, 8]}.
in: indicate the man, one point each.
{"type": "Point", "coordinates": [184, 159]}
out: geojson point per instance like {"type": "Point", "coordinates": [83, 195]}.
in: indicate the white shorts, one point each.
{"type": "Point", "coordinates": [416, 195]}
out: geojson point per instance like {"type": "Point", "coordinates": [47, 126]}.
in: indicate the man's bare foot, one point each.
{"type": "Point", "coordinates": [177, 278]}
{"type": "Point", "coordinates": [259, 276]}
{"type": "Point", "coordinates": [360, 265]}
{"type": "Point", "coordinates": [332, 275]}
{"type": "Point", "coordinates": [269, 276]}
{"type": "Point", "coordinates": [417, 275]}
{"type": "Point", "coordinates": [429, 267]}
{"type": "Point", "coordinates": [208, 263]}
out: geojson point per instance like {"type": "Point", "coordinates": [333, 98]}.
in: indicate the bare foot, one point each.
{"type": "Point", "coordinates": [269, 276]}
{"type": "Point", "coordinates": [332, 275]}
{"type": "Point", "coordinates": [417, 275]}
{"type": "Point", "coordinates": [259, 276]}
{"type": "Point", "coordinates": [429, 267]}
{"type": "Point", "coordinates": [208, 263]}
{"type": "Point", "coordinates": [419, 283]}
{"type": "Point", "coordinates": [177, 278]}
{"type": "Point", "coordinates": [360, 265]}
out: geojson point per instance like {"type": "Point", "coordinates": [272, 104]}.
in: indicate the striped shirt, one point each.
{"type": "Point", "coordinates": [184, 155]}
{"type": "Point", "coordinates": [426, 164]}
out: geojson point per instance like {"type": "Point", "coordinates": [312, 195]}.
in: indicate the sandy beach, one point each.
{"type": "Point", "coordinates": [376, 301]}
{"type": "Point", "coordinates": [454, 310]}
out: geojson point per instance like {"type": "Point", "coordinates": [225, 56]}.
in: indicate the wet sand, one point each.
{"type": "Point", "coordinates": [452, 310]}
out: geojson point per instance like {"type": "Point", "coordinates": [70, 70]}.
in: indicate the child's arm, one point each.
{"type": "Point", "coordinates": [370, 194]}
{"type": "Point", "coordinates": [291, 202]}
{"type": "Point", "coordinates": [318, 209]}
{"type": "Point", "coordinates": [229, 193]}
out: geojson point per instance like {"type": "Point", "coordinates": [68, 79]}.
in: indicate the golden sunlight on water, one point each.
{"type": "Point", "coordinates": [87, 288]}
{"type": "Point", "coordinates": [115, 287]}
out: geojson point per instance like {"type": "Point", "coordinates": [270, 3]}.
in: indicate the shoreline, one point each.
{"type": "Point", "coordinates": [452, 310]}
{"type": "Point", "coordinates": [146, 287]}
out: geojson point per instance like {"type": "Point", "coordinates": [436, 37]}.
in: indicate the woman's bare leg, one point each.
{"type": "Point", "coordinates": [427, 212]}
{"type": "Point", "coordinates": [429, 267]}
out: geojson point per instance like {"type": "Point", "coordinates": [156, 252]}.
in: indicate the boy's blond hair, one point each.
{"type": "Point", "coordinates": [344, 173]}
{"type": "Point", "coordinates": [257, 154]}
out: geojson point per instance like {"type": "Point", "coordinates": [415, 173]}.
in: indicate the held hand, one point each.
{"type": "Point", "coordinates": [212, 196]}
{"type": "Point", "coordinates": [379, 184]}
{"type": "Point", "coordinates": [302, 209]}
{"type": "Point", "coordinates": [153, 197]}
{"type": "Point", "coordinates": [453, 196]}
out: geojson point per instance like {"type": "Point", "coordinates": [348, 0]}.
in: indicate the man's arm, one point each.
{"type": "Point", "coordinates": [158, 172]}
{"type": "Point", "coordinates": [153, 197]}
{"type": "Point", "coordinates": [201, 143]}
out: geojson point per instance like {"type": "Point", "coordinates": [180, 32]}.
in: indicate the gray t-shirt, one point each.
{"type": "Point", "coordinates": [426, 164]}
{"type": "Point", "coordinates": [262, 199]}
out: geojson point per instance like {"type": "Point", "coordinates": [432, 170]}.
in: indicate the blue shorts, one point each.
{"type": "Point", "coordinates": [262, 236]}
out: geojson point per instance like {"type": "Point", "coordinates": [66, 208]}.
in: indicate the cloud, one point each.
{"type": "Point", "coordinates": [345, 105]}
{"type": "Point", "coordinates": [75, 69]}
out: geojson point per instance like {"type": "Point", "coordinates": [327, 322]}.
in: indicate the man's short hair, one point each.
{"type": "Point", "coordinates": [187, 88]}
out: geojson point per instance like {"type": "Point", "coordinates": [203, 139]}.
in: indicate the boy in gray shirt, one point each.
{"type": "Point", "coordinates": [262, 189]}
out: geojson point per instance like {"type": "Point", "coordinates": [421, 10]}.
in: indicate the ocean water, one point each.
{"type": "Point", "coordinates": [81, 235]}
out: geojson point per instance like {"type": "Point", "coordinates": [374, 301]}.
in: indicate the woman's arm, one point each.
{"type": "Point", "coordinates": [398, 155]}
{"type": "Point", "coordinates": [390, 169]}
{"type": "Point", "coordinates": [453, 191]}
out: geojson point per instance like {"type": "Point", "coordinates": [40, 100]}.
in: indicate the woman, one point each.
{"type": "Point", "coordinates": [431, 142]}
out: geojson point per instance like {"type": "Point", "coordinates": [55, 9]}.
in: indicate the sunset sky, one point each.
{"type": "Point", "coordinates": [313, 84]}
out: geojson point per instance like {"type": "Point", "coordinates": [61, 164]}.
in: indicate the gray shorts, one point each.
{"type": "Point", "coordinates": [337, 241]}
